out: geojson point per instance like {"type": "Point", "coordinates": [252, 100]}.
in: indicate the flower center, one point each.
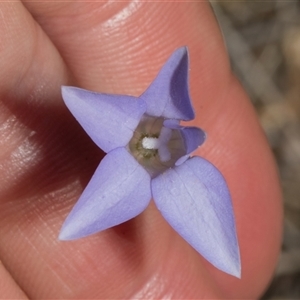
{"type": "Point", "coordinates": [151, 143]}
{"type": "Point", "coordinates": [156, 147]}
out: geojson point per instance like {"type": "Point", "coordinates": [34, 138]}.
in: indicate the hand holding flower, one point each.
{"type": "Point", "coordinates": [118, 47]}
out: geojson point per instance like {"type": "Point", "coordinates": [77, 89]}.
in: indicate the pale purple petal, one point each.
{"type": "Point", "coordinates": [168, 95]}
{"type": "Point", "coordinates": [108, 119]}
{"type": "Point", "coordinates": [118, 191]}
{"type": "Point", "coordinates": [193, 137]}
{"type": "Point", "coordinates": [171, 122]}
{"type": "Point", "coordinates": [195, 200]}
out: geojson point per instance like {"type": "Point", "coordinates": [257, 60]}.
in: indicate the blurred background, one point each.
{"type": "Point", "coordinates": [263, 42]}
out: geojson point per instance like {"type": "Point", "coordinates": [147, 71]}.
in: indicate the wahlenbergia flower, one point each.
{"type": "Point", "coordinates": [148, 155]}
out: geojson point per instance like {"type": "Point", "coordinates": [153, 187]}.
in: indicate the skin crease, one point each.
{"type": "Point", "coordinates": [46, 159]}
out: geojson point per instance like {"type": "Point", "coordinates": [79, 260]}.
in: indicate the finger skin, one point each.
{"type": "Point", "coordinates": [118, 48]}
{"type": "Point", "coordinates": [8, 287]}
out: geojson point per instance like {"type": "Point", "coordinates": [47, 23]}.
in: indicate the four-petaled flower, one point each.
{"type": "Point", "coordinates": [148, 155]}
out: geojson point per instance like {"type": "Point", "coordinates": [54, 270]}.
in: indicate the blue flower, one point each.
{"type": "Point", "coordinates": [148, 156]}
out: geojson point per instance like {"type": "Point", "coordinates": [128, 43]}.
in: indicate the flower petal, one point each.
{"type": "Point", "coordinates": [195, 200]}
{"type": "Point", "coordinates": [108, 119]}
{"type": "Point", "coordinates": [168, 95]}
{"type": "Point", "coordinates": [193, 137]}
{"type": "Point", "coordinates": [118, 191]}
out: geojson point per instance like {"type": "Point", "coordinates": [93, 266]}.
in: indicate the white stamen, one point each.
{"type": "Point", "coordinates": [151, 143]}
{"type": "Point", "coordinates": [160, 144]}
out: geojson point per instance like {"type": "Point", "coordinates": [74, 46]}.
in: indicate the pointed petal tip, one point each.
{"type": "Point", "coordinates": [71, 230]}
{"type": "Point", "coordinates": [229, 264]}
{"type": "Point", "coordinates": [170, 88]}
{"type": "Point", "coordinates": [67, 93]}
{"type": "Point", "coordinates": [66, 89]}
{"type": "Point", "coordinates": [68, 232]}
{"type": "Point", "coordinates": [236, 272]}
{"type": "Point", "coordinates": [181, 51]}
{"type": "Point", "coordinates": [233, 268]}
{"type": "Point", "coordinates": [63, 236]}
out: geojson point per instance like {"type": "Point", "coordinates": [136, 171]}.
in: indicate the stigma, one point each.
{"type": "Point", "coordinates": [160, 144]}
